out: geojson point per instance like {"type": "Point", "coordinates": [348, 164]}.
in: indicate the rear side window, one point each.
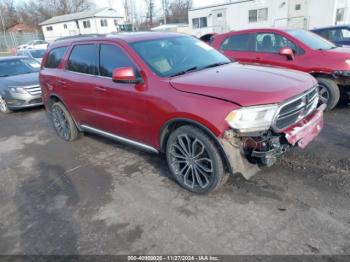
{"type": "Point", "coordinates": [55, 57]}
{"type": "Point", "coordinates": [112, 57]}
{"type": "Point", "coordinates": [242, 42]}
{"type": "Point", "coordinates": [83, 59]}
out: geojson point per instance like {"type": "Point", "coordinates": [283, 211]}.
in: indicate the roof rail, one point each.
{"type": "Point", "coordinates": [79, 36]}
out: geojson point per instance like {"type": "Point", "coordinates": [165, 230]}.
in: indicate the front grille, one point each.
{"type": "Point", "coordinates": [33, 90]}
{"type": "Point", "coordinates": [294, 110]}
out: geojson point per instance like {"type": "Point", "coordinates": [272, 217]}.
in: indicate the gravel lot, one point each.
{"type": "Point", "coordinates": [95, 196]}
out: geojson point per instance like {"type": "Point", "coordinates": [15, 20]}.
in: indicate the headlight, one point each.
{"type": "Point", "coordinates": [347, 62]}
{"type": "Point", "coordinates": [18, 90]}
{"type": "Point", "coordinates": [252, 119]}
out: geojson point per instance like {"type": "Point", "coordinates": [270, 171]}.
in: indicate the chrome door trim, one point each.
{"type": "Point", "coordinates": [119, 138]}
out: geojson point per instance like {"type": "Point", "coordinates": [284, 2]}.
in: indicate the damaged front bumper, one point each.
{"type": "Point", "coordinates": [247, 154]}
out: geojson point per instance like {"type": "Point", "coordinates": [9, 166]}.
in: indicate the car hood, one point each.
{"type": "Point", "coordinates": [245, 85]}
{"type": "Point", "coordinates": [341, 52]}
{"type": "Point", "coordinates": [20, 80]}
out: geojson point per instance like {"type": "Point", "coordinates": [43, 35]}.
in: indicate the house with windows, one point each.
{"type": "Point", "coordinates": [99, 21]}
{"type": "Point", "coordinates": [245, 14]}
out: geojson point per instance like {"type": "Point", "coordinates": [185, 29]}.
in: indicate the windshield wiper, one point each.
{"type": "Point", "coordinates": [216, 64]}
{"type": "Point", "coordinates": [185, 71]}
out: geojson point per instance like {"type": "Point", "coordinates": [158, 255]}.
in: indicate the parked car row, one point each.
{"type": "Point", "coordinates": [174, 94]}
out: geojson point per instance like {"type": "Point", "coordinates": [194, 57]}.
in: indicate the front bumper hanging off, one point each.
{"type": "Point", "coordinates": [247, 154]}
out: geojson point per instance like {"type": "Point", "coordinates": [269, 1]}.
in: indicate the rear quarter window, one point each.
{"type": "Point", "coordinates": [243, 42]}
{"type": "Point", "coordinates": [55, 57]}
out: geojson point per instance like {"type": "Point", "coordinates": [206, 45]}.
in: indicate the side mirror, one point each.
{"type": "Point", "coordinates": [288, 52]}
{"type": "Point", "coordinates": [125, 75]}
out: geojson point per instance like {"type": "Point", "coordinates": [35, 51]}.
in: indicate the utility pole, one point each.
{"type": "Point", "coordinates": [150, 8]}
{"type": "Point", "coordinates": [164, 4]}
{"type": "Point", "coordinates": [4, 29]}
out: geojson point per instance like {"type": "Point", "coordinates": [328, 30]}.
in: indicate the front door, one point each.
{"type": "Point", "coordinates": [121, 106]}
{"type": "Point", "coordinates": [268, 46]}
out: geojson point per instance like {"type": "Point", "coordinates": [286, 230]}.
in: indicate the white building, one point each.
{"type": "Point", "coordinates": [100, 21]}
{"type": "Point", "coordinates": [245, 14]}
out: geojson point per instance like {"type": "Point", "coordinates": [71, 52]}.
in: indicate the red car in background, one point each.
{"type": "Point", "coordinates": [294, 49]}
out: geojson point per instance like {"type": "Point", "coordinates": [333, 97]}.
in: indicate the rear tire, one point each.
{"type": "Point", "coordinates": [4, 107]}
{"type": "Point", "coordinates": [329, 92]}
{"type": "Point", "coordinates": [195, 161]}
{"type": "Point", "coordinates": [63, 122]}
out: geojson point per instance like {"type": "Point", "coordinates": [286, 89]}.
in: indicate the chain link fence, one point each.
{"type": "Point", "coordinates": [9, 41]}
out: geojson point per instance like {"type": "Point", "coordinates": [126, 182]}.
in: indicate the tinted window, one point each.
{"type": "Point", "coordinates": [55, 57]}
{"type": "Point", "coordinates": [83, 59]}
{"type": "Point", "coordinates": [112, 57]}
{"type": "Point", "coordinates": [238, 43]}
{"type": "Point", "coordinates": [37, 53]}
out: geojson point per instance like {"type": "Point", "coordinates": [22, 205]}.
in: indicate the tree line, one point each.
{"type": "Point", "coordinates": [33, 12]}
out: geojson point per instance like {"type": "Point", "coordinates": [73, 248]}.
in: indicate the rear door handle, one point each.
{"type": "Point", "coordinates": [101, 88]}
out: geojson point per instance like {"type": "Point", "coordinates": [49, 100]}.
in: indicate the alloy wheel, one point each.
{"type": "Point", "coordinates": [60, 122]}
{"type": "Point", "coordinates": [323, 93]}
{"type": "Point", "coordinates": [3, 105]}
{"type": "Point", "coordinates": [191, 162]}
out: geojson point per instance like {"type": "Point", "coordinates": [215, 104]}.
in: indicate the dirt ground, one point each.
{"type": "Point", "coordinates": [95, 196]}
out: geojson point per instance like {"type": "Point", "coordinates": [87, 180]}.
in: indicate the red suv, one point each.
{"type": "Point", "coordinates": [175, 94]}
{"type": "Point", "coordinates": [294, 49]}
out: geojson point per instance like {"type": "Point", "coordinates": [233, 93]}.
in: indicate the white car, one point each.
{"type": "Point", "coordinates": [35, 44]}
{"type": "Point", "coordinates": [36, 54]}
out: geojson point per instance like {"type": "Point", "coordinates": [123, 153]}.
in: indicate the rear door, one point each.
{"type": "Point", "coordinates": [79, 81]}
{"type": "Point", "coordinates": [121, 106]}
{"type": "Point", "coordinates": [239, 47]}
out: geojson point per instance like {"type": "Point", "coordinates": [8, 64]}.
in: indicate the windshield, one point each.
{"type": "Point", "coordinates": [311, 39]}
{"type": "Point", "coordinates": [178, 55]}
{"type": "Point", "coordinates": [37, 53]}
{"type": "Point", "coordinates": [21, 66]}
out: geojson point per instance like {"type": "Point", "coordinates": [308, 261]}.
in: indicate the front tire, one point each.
{"type": "Point", "coordinates": [3, 106]}
{"type": "Point", "coordinates": [329, 92]}
{"type": "Point", "coordinates": [195, 161]}
{"type": "Point", "coordinates": [63, 122]}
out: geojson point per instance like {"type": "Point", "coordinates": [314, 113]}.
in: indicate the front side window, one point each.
{"type": "Point", "coordinates": [83, 59]}
{"type": "Point", "coordinates": [176, 55]}
{"type": "Point", "coordinates": [273, 43]}
{"type": "Point", "coordinates": [310, 39]}
{"type": "Point", "coordinates": [18, 66]}
{"type": "Point", "coordinates": [238, 43]}
{"type": "Point", "coordinates": [55, 57]}
{"type": "Point", "coordinates": [112, 57]}
{"type": "Point", "coordinates": [339, 35]}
